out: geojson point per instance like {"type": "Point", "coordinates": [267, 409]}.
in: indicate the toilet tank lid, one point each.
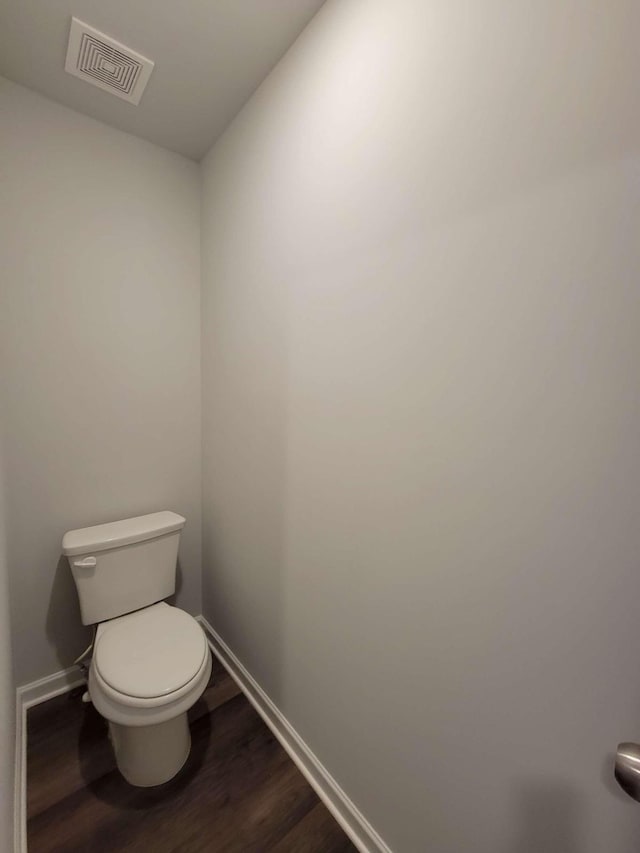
{"type": "Point", "coordinates": [102, 537]}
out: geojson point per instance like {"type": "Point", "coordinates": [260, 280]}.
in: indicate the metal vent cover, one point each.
{"type": "Point", "coordinates": [98, 59]}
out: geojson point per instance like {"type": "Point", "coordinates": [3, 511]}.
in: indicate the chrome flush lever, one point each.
{"type": "Point", "coordinates": [627, 769]}
{"type": "Point", "coordinates": [87, 563]}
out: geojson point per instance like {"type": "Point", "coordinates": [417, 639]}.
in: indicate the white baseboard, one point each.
{"type": "Point", "coordinates": [50, 686]}
{"type": "Point", "coordinates": [27, 696]}
{"type": "Point", "coordinates": [20, 781]}
{"type": "Point", "coordinates": [356, 826]}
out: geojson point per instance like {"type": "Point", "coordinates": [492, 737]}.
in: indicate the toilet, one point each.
{"type": "Point", "coordinates": [151, 661]}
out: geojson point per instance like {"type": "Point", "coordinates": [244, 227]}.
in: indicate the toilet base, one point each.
{"type": "Point", "coordinates": [150, 755]}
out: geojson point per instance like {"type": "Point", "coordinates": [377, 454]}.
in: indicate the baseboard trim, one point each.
{"type": "Point", "coordinates": [26, 697]}
{"type": "Point", "coordinates": [20, 780]}
{"type": "Point", "coordinates": [356, 826]}
{"type": "Point", "coordinates": [49, 686]}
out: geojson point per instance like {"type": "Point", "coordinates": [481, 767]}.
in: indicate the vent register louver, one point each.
{"type": "Point", "coordinates": [98, 59]}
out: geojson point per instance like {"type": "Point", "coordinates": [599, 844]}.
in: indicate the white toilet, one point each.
{"type": "Point", "coordinates": [151, 662]}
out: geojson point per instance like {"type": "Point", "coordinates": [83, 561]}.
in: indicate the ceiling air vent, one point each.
{"type": "Point", "coordinates": [98, 59]}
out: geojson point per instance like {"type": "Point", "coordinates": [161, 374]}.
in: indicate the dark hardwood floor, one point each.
{"type": "Point", "coordinates": [239, 790]}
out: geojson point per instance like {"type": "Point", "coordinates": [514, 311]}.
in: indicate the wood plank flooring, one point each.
{"type": "Point", "coordinates": [239, 790]}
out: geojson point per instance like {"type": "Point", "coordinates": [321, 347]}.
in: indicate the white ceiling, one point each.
{"type": "Point", "coordinates": [210, 56]}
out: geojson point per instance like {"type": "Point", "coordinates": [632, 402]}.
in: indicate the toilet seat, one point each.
{"type": "Point", "coordinates": [124, 709]}
{"type": "Point", "coordinates": [124, 701]}
{"type": "Point", "coordinates": [151, 653]}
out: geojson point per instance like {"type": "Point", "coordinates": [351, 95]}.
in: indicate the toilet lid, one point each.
{"type": "Point", "coordinates": [151, 652]}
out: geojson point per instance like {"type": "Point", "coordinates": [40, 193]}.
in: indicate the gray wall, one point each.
{"type": "Point", "coordinates": [99, 326]}
{"type": "Point", "coordinates": [421, 412]}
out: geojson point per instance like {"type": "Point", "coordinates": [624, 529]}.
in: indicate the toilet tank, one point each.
{"type": "Point", "coordinates": [124, 565]}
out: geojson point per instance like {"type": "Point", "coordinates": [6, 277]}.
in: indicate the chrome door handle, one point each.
{"type": "Point", "coordinates": [627, 769]}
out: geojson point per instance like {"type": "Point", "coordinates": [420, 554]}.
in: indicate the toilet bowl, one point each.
{"type": "Point", "coordinates": [148, 668]}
